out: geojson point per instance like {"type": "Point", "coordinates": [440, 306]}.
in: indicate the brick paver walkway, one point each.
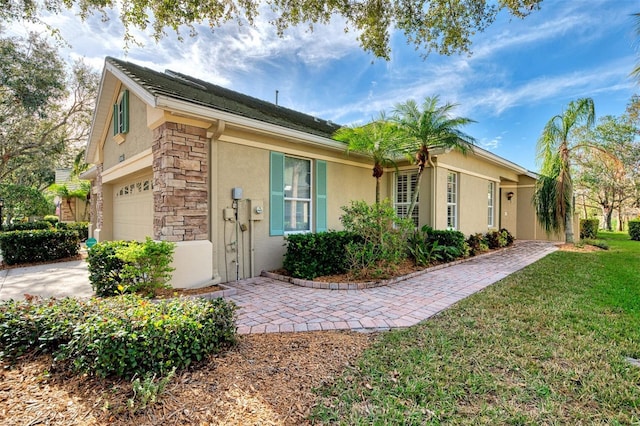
{"type": "Point", "coordinates": [268, 306]}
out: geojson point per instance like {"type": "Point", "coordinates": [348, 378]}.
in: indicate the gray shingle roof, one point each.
{"type": "Point", "coordinates": [183, 87]}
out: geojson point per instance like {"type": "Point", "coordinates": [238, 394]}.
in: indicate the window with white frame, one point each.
{"type": "Point", "coordinates": [297, 194]}
{"type": "Point", "coordinates": [405, 189]}
{"type": "Point", "coordinates": [490, 204]}
{"type": "Point", "coordinates": [452, 200]}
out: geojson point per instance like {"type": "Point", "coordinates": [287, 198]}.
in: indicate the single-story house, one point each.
{"type": "Point", "coordinates": [226, 176]}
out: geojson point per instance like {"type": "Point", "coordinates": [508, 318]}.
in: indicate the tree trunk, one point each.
{"type": "Point", "coordinates": [568, 227]}
{"type": "Point", "coordinates": [608, 211]}
{"type": "Point", "coordinates": [414, 197]}
{"type": "Point", "coordinates": [377, 190]}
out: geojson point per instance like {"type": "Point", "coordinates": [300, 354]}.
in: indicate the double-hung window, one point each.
{"type": "Point", "coordinates": [490, 204]}
{"type": "Point", "coordinates": [452, 200]}
{"type": "Point", "coordinates": [298, 194]}
{"type": "Point", "coordinates": [405, 189]}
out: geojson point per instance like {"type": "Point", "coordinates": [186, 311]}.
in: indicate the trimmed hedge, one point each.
{"type": "Point", "coordinates": [81, 227]}
{"type": "Point", "coordinates": [121, 336]}
{"type": "Point", "coordinates": [589, 228]}
{"type": "Point", "coordinates": [28, 226]}
{"type": "Point", "coordinates": [313, 255]}
{"type": "Point", "coordinates": [37, 246]}
{"type": "Point", "coordinates": [634, 229]}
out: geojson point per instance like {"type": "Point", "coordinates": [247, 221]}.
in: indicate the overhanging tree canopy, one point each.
{"type": "Point", "coordinates": [442, 26]}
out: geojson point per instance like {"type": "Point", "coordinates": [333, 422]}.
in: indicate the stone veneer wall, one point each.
{"type": "Point", "coordinates": [180, 189]}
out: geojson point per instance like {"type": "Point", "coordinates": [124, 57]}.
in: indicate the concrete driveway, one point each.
{"type": "Point", "coordinates": [50, 280]}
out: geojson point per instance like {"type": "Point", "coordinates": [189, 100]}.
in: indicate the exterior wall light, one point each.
{"type": "Point", "coordinates": [510, 195]}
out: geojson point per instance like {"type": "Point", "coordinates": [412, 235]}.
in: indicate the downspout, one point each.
{"type": "Point", "coordinates": [434, 192]}
{"type": "Point", "coordinates": [213, 133]}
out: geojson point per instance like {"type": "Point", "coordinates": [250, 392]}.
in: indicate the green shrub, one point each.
{"type": "Point", "coordinates": [81, 227]}
{"type": "Point", "coordinates": [499, 239]}
{"type": "Point", "coordinates": [447, 238]}
{"type": "Point", "coordinates": [120, 336]}
{"type": "Point", "coordinates": [37, 246]}
{"type": "Point", "coordinates": [117, 267]}
{"type": "Point", "coordinates": [38, 327]}
{"type": "Point", "coordinates": [634, 229]}
{"type": "Point", "coordinates": [52, 219]}
{"type": "Point", "coordinates": [313, 255]}
{"type": "Point", "coordinates": [28, 226]}
{"type": "Point", "coordinates": [105, 267]}
{"type": "Point", "coordinates": [384, 236]}
{"type": "Point", "coordinates": [147, 266]}
{"type": "Point", "coordinates": [477, 244]}
{"type": "Point", "coordinates": [589, 228]}
{"type": "Point", "coordinates": [428, 245]}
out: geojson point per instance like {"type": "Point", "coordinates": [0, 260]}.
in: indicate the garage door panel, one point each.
{"type": "Point", "coordinates": [133, 209]}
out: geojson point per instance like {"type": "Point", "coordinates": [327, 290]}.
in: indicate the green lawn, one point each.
{"type": "Point", "coordinates": [546, 345]}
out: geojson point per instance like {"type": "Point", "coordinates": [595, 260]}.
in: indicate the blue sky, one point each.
{"type": "Point", "coordinates": [520, 74]}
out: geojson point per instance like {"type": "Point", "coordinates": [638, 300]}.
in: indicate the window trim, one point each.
{"type": "Point", "coordinates": [318, 201]}
{"type": "Point", "coordinates": [121, 117]}
{"type": "Point", "coordinates": [309, 200]}
{"type": "Point", "coordinates": [491, 203]}
{"type": "Point", "coordinates": [453, 204]}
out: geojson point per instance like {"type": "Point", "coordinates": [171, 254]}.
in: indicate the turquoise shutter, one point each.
{"type": "Point", "coordinates": [276, 200]}
{"type": "Point", "coordinates": [125, 111]}
{"type": "Point", "coordinates": [115, 119]}
{"type": "Point", "coordinates": [321, 196]}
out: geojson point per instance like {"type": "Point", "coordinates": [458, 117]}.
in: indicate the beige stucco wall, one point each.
{"type": "Point", "coordinates": [243, 161]}
{"type": "Point", "coordinates": [138, 138]}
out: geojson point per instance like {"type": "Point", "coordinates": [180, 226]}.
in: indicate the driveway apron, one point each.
{"type": "Point", "coordinates": [269, 306]}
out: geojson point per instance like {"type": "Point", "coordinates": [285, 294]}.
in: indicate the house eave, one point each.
{"type": "Point", "coordinates": [208, 113]}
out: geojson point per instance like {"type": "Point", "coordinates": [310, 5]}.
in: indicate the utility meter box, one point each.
{"type": "Point", "coordinates": [257, 209]}
{"type": "Point", "coordinates": [236, 193]}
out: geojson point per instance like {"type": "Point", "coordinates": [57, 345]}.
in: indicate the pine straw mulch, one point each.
{"type": "Point", "coordinates": [267, 379]}
{"type": "Point", "coordinates": [587, 248]}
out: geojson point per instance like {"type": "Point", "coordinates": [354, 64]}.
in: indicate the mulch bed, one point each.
{"type": "Point", "coordinates": [266, 379]}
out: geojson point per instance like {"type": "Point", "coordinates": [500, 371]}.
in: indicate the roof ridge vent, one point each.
{"type": "Point", "coordinates": [184, 78]}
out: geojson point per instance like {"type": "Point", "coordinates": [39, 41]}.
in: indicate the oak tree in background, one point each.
{"type": "Point", "coordinates": [553, 196]}
{"type": "Point", "coordinates": [45, 110]}
{"type": "Point", "coordinates": [442, 26]}
{"type": "Point", "coordinates": [426, 127]}
{"type": "Point", "coordinates": [379, 140]}
{"type": "Point", "coordinates": [608, 169]}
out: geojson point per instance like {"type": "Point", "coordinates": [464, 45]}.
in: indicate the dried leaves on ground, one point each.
{"type": "Point", "coordinates": [267, 379]}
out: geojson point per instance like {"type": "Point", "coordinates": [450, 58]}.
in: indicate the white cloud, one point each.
{"type": "Point", "coordinates": [490, 144]}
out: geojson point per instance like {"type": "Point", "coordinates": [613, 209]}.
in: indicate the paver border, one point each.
{"type": "Point", "coordinates": [373, 284]}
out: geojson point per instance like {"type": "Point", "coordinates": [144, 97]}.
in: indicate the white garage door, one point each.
{"type": "Point", "coordinates": [133, 209]}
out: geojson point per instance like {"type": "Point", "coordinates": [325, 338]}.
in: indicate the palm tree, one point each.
{"type": "Point", "coordinates": [427, 127]}
{"type": "Point", "coordinates": [553, 197]}
{"type": "Point", "coordinates": [379, 140]}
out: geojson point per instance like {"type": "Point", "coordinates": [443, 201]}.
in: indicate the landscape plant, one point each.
{"type": "Point", "coordinates": [553, 195]}
{"type": "Point", "coordinates": [383, 236]}
{"type": "Point", "coordinates": [123, 336]}
{"type": "Point", "coordinates": [634, 229]}
{"type": "Point", "coordinates": [117, 267]}
{"type": "Point", "coordinates": [311, 255]}
{"type": "Point", "coordinates": [38, 245]}
{"type": "Point", "coordinates": [589, 228]}
{"type": "Point", "coordinates": [426, 127]}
